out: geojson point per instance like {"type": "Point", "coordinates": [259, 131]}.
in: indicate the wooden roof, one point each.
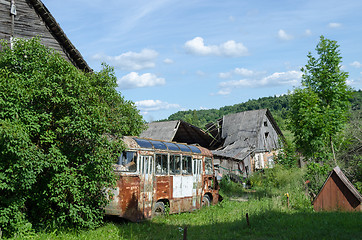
{"type": "Point", "coordinates": [240, 133]}
{"type": "Point", "coordinates": [73, 54]}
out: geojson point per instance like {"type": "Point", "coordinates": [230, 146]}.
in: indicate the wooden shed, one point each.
{"type": "Point", "coordinates": [337, 194]}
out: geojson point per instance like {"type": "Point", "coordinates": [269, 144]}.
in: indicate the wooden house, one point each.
{"type": "Point", "coordinates": [30, 18]}
{"type": "Point", "coordinates": [245, 142]}
{"type": "Point", "coordinates": [337, 194]}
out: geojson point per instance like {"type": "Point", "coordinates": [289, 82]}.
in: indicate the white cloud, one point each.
{"type": "Point", "coordinates": [131, 61]}
{"type": "Point", "coordinates": [278, 78]}
{"type": "Point", "coordinates": [133, 80]}
{"type": "Point", "coordinates": [284, 36]}
{"type": "Point", "coordinates": [237, 71]}
{"type": "Point", "coordinates": [334, 25]}
{"type": "Point", "coordinates": [308, 32]}
{"type": "Point", "coordinates": [200, 73]}
{"type": "Point", "coordinates": [356, 64]}
{"type": "Point", "coordinates": [225, 75]}
{"type": "Point", "coordinates": [168, 61]}
{"type": "Point", "coordinates": [243, 72]}
{"type": "Point", "coordinates": [228, 49]}
{"type": "Point", "coordinates": [224, 92]}
{"type": "Point", "coordinates": [146, 106]}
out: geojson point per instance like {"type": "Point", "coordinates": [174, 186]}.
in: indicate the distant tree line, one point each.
{"type": "Point", "coordinates": [278, 105]}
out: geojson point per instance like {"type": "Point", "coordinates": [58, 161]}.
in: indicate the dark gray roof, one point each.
{"type": "Point", "coordinates": [58, 33]}
{"type": "Point", "coordinates": [161, 130]}
{"type": "Point", "coordinates": [177, 131]}
{"type": "Point", "coordinates": [240, 133]}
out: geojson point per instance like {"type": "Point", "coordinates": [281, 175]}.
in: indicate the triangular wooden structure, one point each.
{"type": "Point", "coordinates": [337, 194]}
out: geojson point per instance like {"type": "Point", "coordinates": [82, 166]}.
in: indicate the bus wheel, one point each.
{"type": "Point", "coordinates": [205, 201]}
{"type": "Point", "coordinates": [159, 209]}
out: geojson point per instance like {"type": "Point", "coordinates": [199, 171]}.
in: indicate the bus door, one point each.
{"type": "Point", "coordinates": [146, 185]}
{"type": "Point", "coordinates": [196, 179]}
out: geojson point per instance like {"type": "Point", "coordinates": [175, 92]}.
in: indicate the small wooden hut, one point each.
{"type": "Point", "coordinates": [337, 194]}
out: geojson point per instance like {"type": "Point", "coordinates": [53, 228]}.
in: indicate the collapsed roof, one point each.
{"type": "Point", "coordinates": [177, 131]}
{"type": "Point", "coordinates": [240, 134]}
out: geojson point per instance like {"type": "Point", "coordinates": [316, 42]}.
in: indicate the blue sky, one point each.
{"type": "Point", "coordinates": [172, 55]}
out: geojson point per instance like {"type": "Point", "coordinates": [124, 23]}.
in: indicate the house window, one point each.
{"type": "Point", "coordinates": [265, 123]}
{"type": "Point", "coordinates": [266, 135]}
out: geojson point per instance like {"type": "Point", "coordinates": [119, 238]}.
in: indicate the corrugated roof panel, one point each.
{"type": "Point", "coordinates": [172, 146]}
{"type": "Point", "coordinates": [194, 149]}
{"type": "Point", "coordinates": [184, 148]}
{"type": "Point", "coordinates": [158, 145]}
{"type": "Point", "coordinates": [143, 143]}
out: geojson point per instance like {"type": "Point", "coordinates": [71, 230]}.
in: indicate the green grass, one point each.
{"type": "Point", "coordinates": [269, 217]}
{"type": "Point", "coordinates": [268, 220]}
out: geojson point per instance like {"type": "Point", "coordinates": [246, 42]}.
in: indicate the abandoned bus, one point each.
{"type": "Point", "coordinates": [154, 174]}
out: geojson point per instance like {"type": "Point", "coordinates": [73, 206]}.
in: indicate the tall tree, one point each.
{"type": "Point", "coordinates": [59, 131]}
{"type": "Point", "coordinates": [319, 109]}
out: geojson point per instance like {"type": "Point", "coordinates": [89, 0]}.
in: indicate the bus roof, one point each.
{"type": "Point", "coordinates": [136, 142]}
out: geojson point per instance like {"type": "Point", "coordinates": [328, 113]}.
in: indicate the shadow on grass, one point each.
{"type": "Point", "coordinates": [265, 225]}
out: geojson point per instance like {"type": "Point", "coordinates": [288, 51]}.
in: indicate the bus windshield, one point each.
{"type": "Point", "coordinates": [127, 162]}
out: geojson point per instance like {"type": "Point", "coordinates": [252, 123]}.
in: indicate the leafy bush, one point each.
{"type": "Point", "coordinates": [278, 181]}
{"type": "Point", "coordinates": [287, 156]}
{"type": "Point", "coordinates": [229, 188]}
{"type": "Point", "coordinates": [316, 174]}
{"type": "Point", "coordinates": [58, 138]}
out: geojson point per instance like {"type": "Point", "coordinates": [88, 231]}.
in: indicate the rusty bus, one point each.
{"type": "Point", "coordinates": [155, 175]}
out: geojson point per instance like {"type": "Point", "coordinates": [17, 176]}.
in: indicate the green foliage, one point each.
{"type": "Point", "coordinates": [320, 109]}
{"type": "Point", "coordinates": [229, 188]}
{"type": "Point", "coordinates": [58, 138]}
{"type": "Point", "coordinates": [316, 175]}
{"type": "Point", "coordinates": [276, 182]}
{"type": "Point", "coordinates": [287, 156]}
{"type": "Point", "coordinates": [278, 106]}
{"type": "Point", "coordinates": [349, 151]}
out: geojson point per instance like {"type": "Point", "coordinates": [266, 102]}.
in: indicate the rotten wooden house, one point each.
{"type": "Point", "coordinates": [30, 18]}
{"type": "Point", "coordinates": [337, 194]}
{"type": "Point", "coordinates": [245, 142]}
{"type": "Point", "coordinates": [241, 143]}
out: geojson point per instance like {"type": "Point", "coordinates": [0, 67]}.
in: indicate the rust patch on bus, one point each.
{"type": "Point", "coordinates": [129, 195]}
{"type": "Point", "coordinates": [163, 187]}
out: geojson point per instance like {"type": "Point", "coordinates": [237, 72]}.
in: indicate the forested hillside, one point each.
{"type": "Point", "coordinates": [278, 106]}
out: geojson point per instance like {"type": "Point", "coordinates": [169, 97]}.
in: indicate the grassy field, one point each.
{"type": "Point", "coordinates": [269, 218]}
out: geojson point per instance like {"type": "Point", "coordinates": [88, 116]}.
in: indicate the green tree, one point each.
{"type": "Point", "coordinates": [319, 109]}
{"type": "Point", "coordinates": [59, 135]}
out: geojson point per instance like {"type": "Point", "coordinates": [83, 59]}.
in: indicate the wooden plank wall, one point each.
{"type": "Point", "coordinates": [28, 24]}
{"type": "Point", "coordinates": [5, 19]}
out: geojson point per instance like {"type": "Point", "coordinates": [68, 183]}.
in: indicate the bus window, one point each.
{"type": "Point", "coordinates": [208, 166]}
{"type": "Point", "coordinates": [194, 169]}
{"type": "Point", "coordinates": [161, 164]}
{"type": "Point", "coordinates": [127, 162]}
{"type": "Point", "coordinates": [199, 167]}
{"type": "Point", "coordinates": [186, 165]}
{"type": "Point", "coordinates": [146, 164]}
{"type": "Point", "coordinates": [175, 164]}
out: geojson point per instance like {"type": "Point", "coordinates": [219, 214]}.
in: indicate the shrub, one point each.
{"type": "Point", "coordinates": [316, 174]}
{"type": "Point", "coordinates": [58, 138]}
